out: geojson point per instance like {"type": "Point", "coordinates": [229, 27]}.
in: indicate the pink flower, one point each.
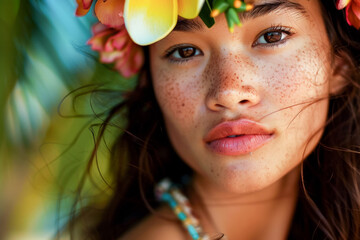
{"type": "Point", "coordinates": [115, 46]}
{"type": "Point", "coordinates": [110, 38]}
{"type": "Point", "coordinates": [352, 11]}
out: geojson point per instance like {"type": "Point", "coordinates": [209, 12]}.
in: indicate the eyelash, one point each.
{"type": "Point", "coordinates": [168, 54]}
{"type": "Point", "coordinates": [283, 30]}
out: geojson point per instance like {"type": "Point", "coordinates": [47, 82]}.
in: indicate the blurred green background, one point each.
{"type": "Point", "coordinates": [47, 113]}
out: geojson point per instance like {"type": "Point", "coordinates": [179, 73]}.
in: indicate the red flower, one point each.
{"type": "Point", "coordinates": [115, 46]}
{"type": "Point", "coordinates": [352, 11]}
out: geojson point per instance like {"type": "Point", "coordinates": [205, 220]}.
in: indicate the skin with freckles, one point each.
{"type": "Point", "coordinates": [275, 71]}
{"type": "Point", "coordinates": [283, 86]}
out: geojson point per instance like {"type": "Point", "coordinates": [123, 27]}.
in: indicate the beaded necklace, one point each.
{"type": "Point", "coordinates": [168, 192]}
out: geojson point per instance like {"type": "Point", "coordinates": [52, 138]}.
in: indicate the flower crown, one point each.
{"type": "Point", "coordinates": [126, 25]}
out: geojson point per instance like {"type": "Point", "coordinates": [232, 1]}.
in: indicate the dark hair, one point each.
{"type": "Point", "coordinates": [329, 201]}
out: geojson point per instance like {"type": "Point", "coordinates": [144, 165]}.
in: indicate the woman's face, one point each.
{"type": "Point", "coordinates": [243, 109]}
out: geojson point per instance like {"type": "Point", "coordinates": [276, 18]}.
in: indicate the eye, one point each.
{"type": "Point", "coordinates": [273, 36]}
{"type": "Point", "coordinates": [182, 53]}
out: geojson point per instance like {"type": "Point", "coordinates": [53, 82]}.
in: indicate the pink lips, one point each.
{"type": "Point", "coordinates": [237, 137]}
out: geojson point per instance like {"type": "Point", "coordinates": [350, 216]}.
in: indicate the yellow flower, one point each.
{"type": "Point", "coordinates": [148, 21]}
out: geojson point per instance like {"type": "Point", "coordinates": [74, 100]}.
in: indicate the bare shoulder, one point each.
{"type": "Point", "coordinates": [157, 227]}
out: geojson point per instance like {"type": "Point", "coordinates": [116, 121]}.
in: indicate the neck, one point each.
{"type": "Point", "coordinates": [260, 215]}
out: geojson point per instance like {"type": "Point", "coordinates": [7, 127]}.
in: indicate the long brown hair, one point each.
{"type": "Point", "coordinates": [329, 201]}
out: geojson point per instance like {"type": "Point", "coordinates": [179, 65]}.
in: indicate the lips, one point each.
{"type": "Point", "coordinates": [237, 137]}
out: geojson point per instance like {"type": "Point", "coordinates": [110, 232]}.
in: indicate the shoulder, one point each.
{"type": "Point", "coordinates": [157, 226]}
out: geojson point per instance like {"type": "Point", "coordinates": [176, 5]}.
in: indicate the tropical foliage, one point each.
{"type": "Point", "coordinates": [47, 129]}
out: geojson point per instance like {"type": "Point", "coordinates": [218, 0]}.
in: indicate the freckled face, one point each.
{"type": "Point", "coordinates": [274, 70]}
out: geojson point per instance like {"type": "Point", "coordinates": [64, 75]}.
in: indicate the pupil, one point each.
{"type": "Point", "coordinates": [187, 52]}
{"type": "Point", "coordinates": [272, 37]}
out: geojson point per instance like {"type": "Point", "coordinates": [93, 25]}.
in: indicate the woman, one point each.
{"type": "Point", "coordinates": [262, 120]}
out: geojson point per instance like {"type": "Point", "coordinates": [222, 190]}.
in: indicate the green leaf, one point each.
{"type": "Point", "coordinates": [205, 14]}
{"type": "Point", "coordinates": [231, 13]}
{"type": "Point", "coordinates": [9, 10]}
{"type": "Point", "coordinates": [230, 21]}
{"type": "Point", "coordinates": [222, 6]}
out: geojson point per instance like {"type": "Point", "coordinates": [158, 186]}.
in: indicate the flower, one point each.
{"type": "Point", "coordinates": [110, 37]}
{"type": "Point", "coordinates": [146, 21]}
{"type": "Point", "coordinates": [352, 11]}
{"type": "Point", "coordinates": [110, 12]}
{"type": "Point", "coordinates": [115, 46]}
{"type": "Point", "coordinates": [149, 21]}
{"type": "Point", "coordinates": [83, 7]}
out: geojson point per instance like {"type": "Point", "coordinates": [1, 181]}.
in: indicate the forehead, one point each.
{"type": "Point", "coordinates": [304, 8]}
{"type": "Point", "coordinates": [263, 7]}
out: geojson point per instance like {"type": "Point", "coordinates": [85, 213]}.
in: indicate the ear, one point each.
{"type": "Point", "coordinates": [338, 80]}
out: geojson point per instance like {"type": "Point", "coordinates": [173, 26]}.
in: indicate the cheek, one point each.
{"type": "Point", "coordinates": [299, 87]}
{"type": "Point", "coordinates": [177, 95]}
{"type": "Point", "coordinates": [299, 77]}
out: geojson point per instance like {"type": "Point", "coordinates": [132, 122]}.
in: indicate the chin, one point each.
{"type": "Point", "coordinates": [253, 174]}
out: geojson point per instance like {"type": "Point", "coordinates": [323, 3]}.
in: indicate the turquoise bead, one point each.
{"type": "Point", "coordinates": [194, 234]}
{"type": "Point", "coordinates": [182, 216]}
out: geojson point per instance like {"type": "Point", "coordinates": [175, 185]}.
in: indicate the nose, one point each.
{"type": "Point", "coordinates": [232, 87]}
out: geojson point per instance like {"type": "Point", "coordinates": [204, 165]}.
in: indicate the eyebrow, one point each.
{"type": "Point", "coordinates": [270, 7]}
{"type": "Point", "coordinates": [190, 25]}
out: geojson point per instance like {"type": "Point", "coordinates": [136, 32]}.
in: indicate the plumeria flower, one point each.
{"type": "Point", "coordinates": [115, 46]}
{"type": "Point", "coordinates": [149, 21]}
{"type": "Point", "coordinates": [146, 21]}
{"type": "Point", "coordinates": [352, 11]}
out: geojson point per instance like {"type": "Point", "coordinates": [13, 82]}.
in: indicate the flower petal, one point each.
{"type": "Point", "coordinates": [148, 21]}
{"type": "Point", "coordinates": [340, 4]}
{"type": "Point", "coordinates": [352, 19]}
{"type": "Point", "coordinates": [110, 12]}
{"type": "Point", "coordinates": [190, 8]}
{"type": "Point", "coordinates": [356, 9]}
{"type": "Point", "coordinates": [87, 3]}
{"type": "Point", "coordinates": [117, 41]}
{"type": "Point", "coordinates": [109, 57]}
{"type": "Point", "coordinates": [97, 42]}
{"type": "Point", "coordinates": [120, 39]}
{"type": "Point", "coordinates": [83, 7]}
{"type": "Point", "coordinates": [133, 64]}
{"type": "Point", "coordinates": [98, 28]}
